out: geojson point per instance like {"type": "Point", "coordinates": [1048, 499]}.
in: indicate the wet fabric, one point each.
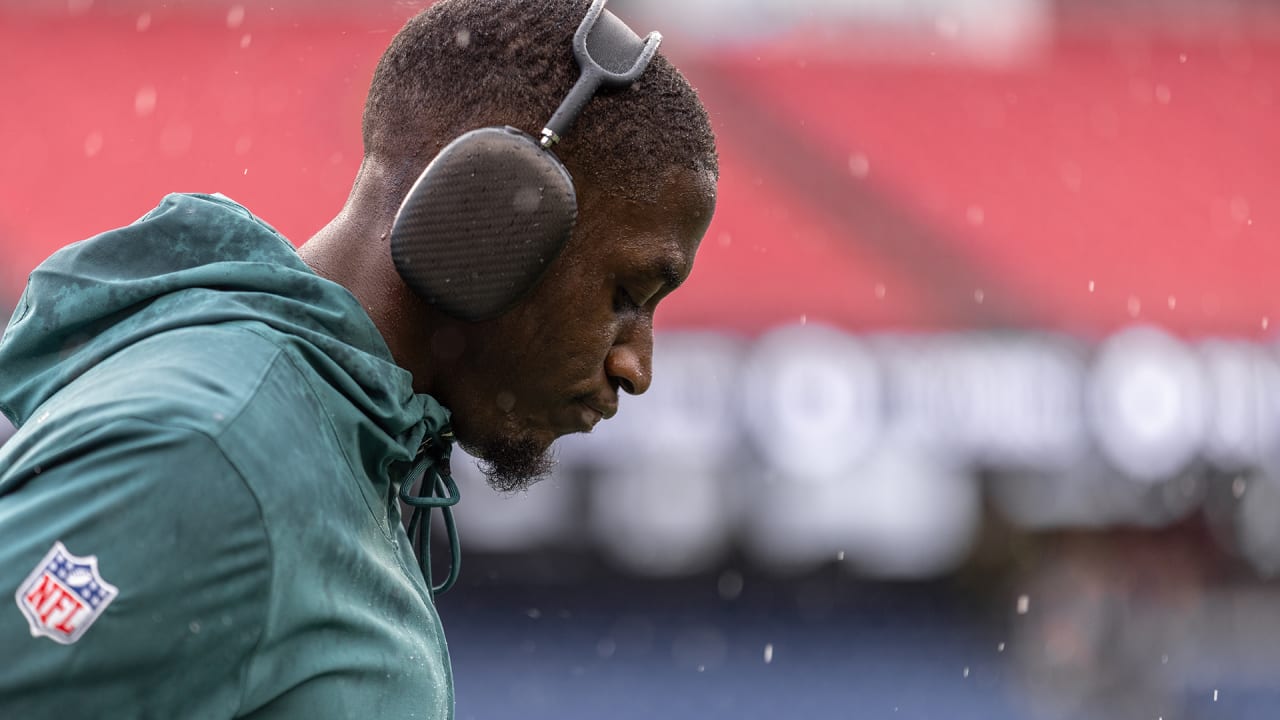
{"type": "Point", "coordinates": [223, 433]}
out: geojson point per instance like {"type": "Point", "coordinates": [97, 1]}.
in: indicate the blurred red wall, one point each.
{"type": "Point", "coordinates": [1122, 174]}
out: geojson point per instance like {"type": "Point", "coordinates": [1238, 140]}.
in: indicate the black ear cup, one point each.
{"type": "Point", "coordinates": [483, 223]}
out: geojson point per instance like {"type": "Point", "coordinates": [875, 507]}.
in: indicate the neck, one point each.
{"type": "Point", "coordinates": [354, 251]}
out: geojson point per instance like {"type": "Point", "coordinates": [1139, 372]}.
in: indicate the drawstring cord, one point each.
{"type": "Point", "coordinates": [438, 491]}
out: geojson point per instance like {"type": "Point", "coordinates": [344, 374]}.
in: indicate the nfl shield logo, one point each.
{"type": "Point", "coordinates": [64, 595]}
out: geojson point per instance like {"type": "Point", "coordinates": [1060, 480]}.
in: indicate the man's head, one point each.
{"type": "Point", "coordinates": [644, 166]}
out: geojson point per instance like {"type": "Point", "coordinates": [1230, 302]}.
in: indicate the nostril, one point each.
{"type": "Point", "coordinates": [627, 386]}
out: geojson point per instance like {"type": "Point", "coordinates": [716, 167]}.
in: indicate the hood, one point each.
{"type": "Point", "coordinates": [197, 260]}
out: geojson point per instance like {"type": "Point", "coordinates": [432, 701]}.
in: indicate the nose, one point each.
{"type": "Point", "coordinates": [629, 363]}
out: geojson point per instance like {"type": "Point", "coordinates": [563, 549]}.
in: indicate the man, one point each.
{"type": "Point", "coordinates": [199, 515]}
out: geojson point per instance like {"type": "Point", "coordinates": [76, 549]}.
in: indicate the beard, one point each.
{"type": "Point", "coordinates": [513, 464]}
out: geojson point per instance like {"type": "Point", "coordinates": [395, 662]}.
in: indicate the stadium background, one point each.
{"type": "Point", "coordinates": [970, 409]}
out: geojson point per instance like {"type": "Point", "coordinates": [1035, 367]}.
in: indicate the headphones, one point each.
{"type": "Point", "coordinates": [494, 208]}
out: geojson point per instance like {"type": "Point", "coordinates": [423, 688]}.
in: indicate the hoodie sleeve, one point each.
{"type": "Point", "coordinates": [136, 571]}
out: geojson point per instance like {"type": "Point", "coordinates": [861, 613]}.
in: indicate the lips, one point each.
{"type": "Point", "coordinates": [592, 410]}
{"type": "Point", "coordinates": [605, 407]}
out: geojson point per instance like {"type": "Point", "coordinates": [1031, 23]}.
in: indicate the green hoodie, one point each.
{"type": "Point", "coordinates": [198, 513]}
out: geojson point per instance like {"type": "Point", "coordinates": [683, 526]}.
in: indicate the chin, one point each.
{"type": "Point", "coordinates": [511, 462]}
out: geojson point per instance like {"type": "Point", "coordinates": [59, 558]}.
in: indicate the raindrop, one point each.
{"type": "Point", "coordinates": [978, 296]}
{"type": "Point", "coordinates": [975, 215]}
{"type": "Point", "coordinates": [1265, 323]}
{"type": "Point", "coordinates": [1072, 176]}
{"type": "Point", "coordinates": [768, 653]}
{"type": "Point", "coordinates": [1173, 302]}
{"type": "Point", "coordinates": [606, 647]}
{"type": "Point", "coordinates": [1164, 659]}
{"type": "Point", "coordinates": [235, 16]}
{"type": "Point", "coordinates": [246, 171]}
{"type": "Point", "coordinates": [506, 401]}
{"type": "Point", "coordinates": [880, 291]}
{"type": "Point", "coordinates": [840, 555]}
{"type": "Point", "coordinates": [245, 40]}
{"type": "Point", "coordinates": [1091, 286]}
{"type": "Point", "coordinates": [804, 319]}
{"type": "Point", "coordinates": [1024, 604]}
{"type": "Point", "coordinates": [93, 144]}
{"type": "Point", "coordinates": [725, 239]}
{"type": "Point", "coordinates": [144, 22]}
{"type": "Point", "coordinates": [1000, 647]}
{"type": "Point", "coordinates": [966, 671]}
{"type": "Point", "coordinates": [1215, 696]}
{"type": "Point", "coordinates": [194, 627]}
{"type": "Point", "coordinates": [462, 38]}
{"type": "Point", "coordinates": [144, 102]}
{"type": "Point", "coordinates": [729, 585]}
{"type": "Point", "coordinates": [1182, 57]}
{"type": "Point", "coordinates": [946, 27]}
{"type": "Point", "coordinates": [1239, 209]}
{"type": "Point", "coordinates": [859, 165]}
{"type": "Point", "coordinates": [1238, 486]}
{"type": "Point", "coordinates": [534, 613]}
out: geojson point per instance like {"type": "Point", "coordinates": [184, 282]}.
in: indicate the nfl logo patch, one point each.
{"type": "Point", "coordinates": [64, 595]}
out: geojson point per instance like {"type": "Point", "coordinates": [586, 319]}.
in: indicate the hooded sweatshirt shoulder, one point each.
{"type": "Point", "coordinates": [197, 514]}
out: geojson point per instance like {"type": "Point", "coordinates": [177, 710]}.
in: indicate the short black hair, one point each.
{"type": "Point", "coordinates": [465, 64]}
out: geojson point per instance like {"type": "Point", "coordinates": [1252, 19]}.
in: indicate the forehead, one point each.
{"type": "Point", "coordinates": [667, 226]}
